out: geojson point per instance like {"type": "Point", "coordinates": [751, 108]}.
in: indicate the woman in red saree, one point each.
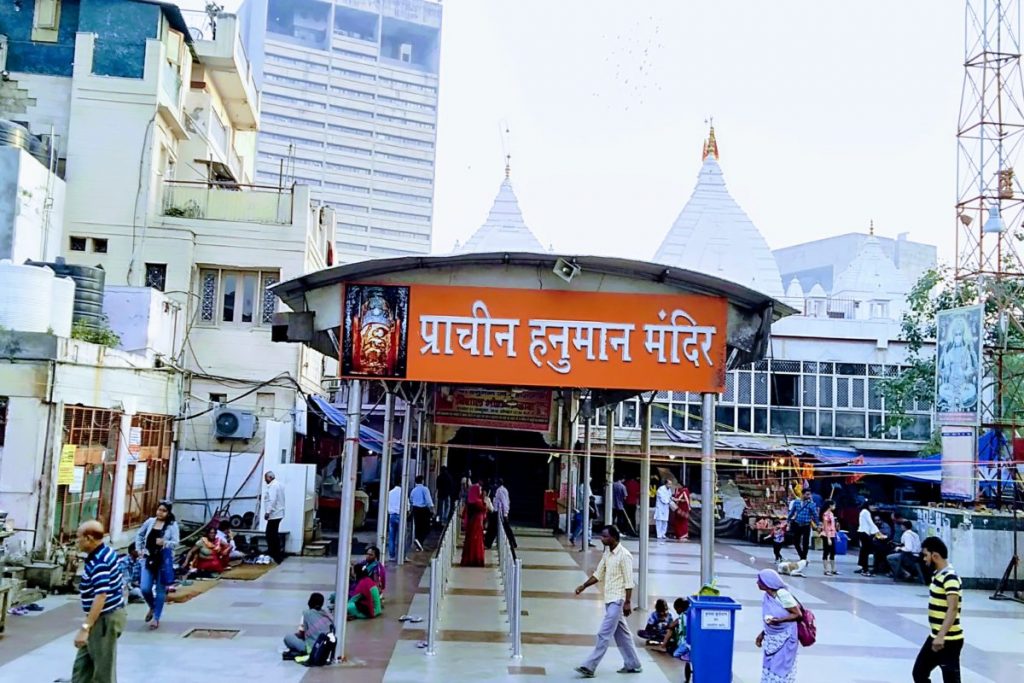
{"type": "Point", "coordinates": [680, 518]}
{"type": "Point", "coordinates": [473, 518]}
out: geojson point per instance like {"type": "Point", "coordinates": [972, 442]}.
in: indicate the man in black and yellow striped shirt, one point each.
{"type": "Point", "coordinates": [943, 647]}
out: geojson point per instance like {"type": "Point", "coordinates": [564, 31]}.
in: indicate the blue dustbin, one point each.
{"type": "Point", "coordinates": [842, 543]}
{"type": "Point", "coordinates": [710, 628]}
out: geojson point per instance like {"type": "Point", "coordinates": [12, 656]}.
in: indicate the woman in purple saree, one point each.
{"type": "Point", "coordinates": [781, 612]}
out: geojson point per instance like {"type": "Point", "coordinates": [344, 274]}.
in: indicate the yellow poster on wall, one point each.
{"type": "Point", "coordinates": [66, 468]}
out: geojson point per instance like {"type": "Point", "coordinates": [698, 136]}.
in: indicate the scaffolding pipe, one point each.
{"type": "Point", "coordinates": [707, 490]}
{"type": "Point", "coordinates": [385, 470]}
{"type": "Point", "coordinates": [645, 501]}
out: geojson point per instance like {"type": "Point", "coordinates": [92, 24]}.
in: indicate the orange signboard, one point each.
{"type": "Point", "coordinates": [525, 337]}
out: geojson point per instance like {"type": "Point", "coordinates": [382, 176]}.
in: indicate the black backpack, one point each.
{"type": "Point", "coordinates": [322, 652]}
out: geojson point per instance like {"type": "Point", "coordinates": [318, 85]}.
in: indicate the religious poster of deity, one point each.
{"type": "Point", "coordinates": [375, 330]}
{"type": "Point", "coordinates": [958, 365]}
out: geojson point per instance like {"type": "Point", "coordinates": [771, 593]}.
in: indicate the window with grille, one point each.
{"type": "Point", "coordinates": [237, 297]}
{"type": "Point", "coordinates": [156, 276]}
{"type": "Point", "coordinates": [3, 418]}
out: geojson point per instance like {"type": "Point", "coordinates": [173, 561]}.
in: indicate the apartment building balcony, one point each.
{"type": "Point", "coordinates": [228, 202]}
{"type": "Point", "coordinates": [226, 64]}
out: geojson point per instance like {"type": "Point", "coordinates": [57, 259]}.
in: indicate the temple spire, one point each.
{"type": "Point", "coordinates": [710, 145]}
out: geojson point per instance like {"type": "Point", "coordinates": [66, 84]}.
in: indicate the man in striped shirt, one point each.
{"type": "Point", "coordinates": [943, 647]}
{"type": "Point", "coordinates": [102, 595]}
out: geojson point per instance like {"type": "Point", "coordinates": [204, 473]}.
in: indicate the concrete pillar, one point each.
{"type": "Point", "coordinates": [410, 417]}
{"type": "Point", "coordinates": [120, 492]}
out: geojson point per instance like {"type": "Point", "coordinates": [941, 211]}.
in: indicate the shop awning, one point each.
{"type": "Point", "coordinates": [927, 469]}
{"type": "Point", "coordinates": [370, 439]}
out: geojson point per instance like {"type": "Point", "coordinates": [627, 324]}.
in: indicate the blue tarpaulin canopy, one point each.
{"type": "Point", "coordinates": [927, 469]}
{"type": "Point", "coordinates": [369, 439]}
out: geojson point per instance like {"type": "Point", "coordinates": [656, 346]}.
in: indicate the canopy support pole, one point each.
{"type": "Point", "coordinates": [707, 490]}
{"type": "Point", "coordinates": [609, 477]}
{"type": "Point", "coordinates": [347, 514]}
{"type": "Point", "coordinates": [645, 502]}
{"type": "Point", "coordinates": [385, 471]}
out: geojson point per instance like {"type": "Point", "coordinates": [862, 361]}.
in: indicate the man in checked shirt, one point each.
{"type": "Point", "coordinates": [616, 571]}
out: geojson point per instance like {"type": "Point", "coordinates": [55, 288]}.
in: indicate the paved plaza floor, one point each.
{"type": "Point", "coordinates": [869, 630]}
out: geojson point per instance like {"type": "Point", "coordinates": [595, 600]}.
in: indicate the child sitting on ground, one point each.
{"type": "Point", "coordinates": [675, 638]}
{"type": "Point", "coordinates": [314, 622]}
{"type": "Point", "coordinates": [657, 624]}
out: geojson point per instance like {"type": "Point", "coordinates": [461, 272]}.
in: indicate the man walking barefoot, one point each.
{"type": "Point", "coordinates": [616, 571]}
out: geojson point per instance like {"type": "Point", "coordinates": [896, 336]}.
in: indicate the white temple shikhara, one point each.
{"type": "Point", "coordinates": [713, 235]}
{"type": "Point", "coordinates": [504, 229]}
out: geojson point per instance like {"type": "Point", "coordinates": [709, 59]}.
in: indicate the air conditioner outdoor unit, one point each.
{"type": "Point", "coordinates": [405, 53]}
{"type": "Point", "coordinates": [229, 423]}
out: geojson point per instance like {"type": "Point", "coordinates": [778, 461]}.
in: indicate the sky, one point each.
{"type": "Point", "coordinates": [828, 116]}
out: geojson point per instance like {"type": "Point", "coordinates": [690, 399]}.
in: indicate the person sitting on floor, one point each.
{"type": "Point", "coordinates": [314, 622]}
{"type": "Point", "coordinates": [657, 624]}
{"type": "Point", "coordinates": [365, 600]}
{"type": "Point", "coordinates": [374, 569]}
{"type": "Point", "coordinates": [228, 539]}
{"type": "Point", "coordinates": [208, 555]}
{"type": "Point", "coordinates": [675, 637]}
{"type": "Point", "coordinates": [130, 565]}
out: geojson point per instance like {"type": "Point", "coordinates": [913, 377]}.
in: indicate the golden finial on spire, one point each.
{"type": "Point", "coordinates": [871, 228]}
{"type": "Point", "coordinates": [710, 145]}
{"type": "Point", "coordinates": [508, 166]}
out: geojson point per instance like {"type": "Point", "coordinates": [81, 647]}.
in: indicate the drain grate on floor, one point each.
{"type": "Point", "coordinates": [212, 633]}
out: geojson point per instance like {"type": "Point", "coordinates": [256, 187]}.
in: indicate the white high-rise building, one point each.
{"type": "Point", "coordinates": [349, 107]}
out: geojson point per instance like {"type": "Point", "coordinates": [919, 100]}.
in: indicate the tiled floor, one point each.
{"type": "Point", "coordinates": [869, 629]}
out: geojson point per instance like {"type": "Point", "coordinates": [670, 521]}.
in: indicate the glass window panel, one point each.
{"type": "Point", "coordinates": [810, 390]}
{"type": "Point", "coordinates": [659, 414]}
{"type": "Point", "coordinates": [850, 369]}
{"type": "Point", "coordinates": [743, 420]}
{"type": "Point", "coordinates": [760, 388]}
{"type": "Point", "coordinates": [229, 285]}
{"type": "Point", "coordinates": [857, 392]}
{"type": "Point", "coordinates": [842, 392]}
{"type": "Point", "coordinates": [678, 416]}
{"type": "Point", "coordinates": [744, 388]}
{"type": "Point", "coordinates": [785, 421]}
{"type": "Point", "coordinates": [810, 367]}
{"type": "Point", "coordinates": [694, 411]}
{"type": "Point", "coordinates": [208, 295]}
{"type": "Point", "coordinates": [825, 368]}
{"type": "Point", "coordinates": [874, 394]}
{"type": "Point", "coordinates": [730, 388]}
{"type": "Point", "coordinates": [760, 420]}
{"type": "Point", "coordinates": [875, 426]}
{"type": "Point", "coordinates": [810, 423]}
{"type": "Point", "coordinates": [248, 296]}
{"type": "Point", "coordinates": [629, 414]}
{"type": "Point", "coordinates": [825, 392]}
{"type": "Point", "coordinates": [785, 390]}
{"type": "Point", "coordinates": [825, 423]}
{"type": "Point", "coordinates": [850, 425]}
{"type": "Point", "coordinates": [876, 370]}
{"type": "Point", "coordinates": [785, 366]}
{"type": "Point", "coordinates": [920, 429]}
{"type": "Point", "coordinates": [725, 418]}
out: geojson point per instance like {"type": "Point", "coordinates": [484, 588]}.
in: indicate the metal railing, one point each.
{"type": "Point", "coordinates": [440, 572]}
{"type": "Point", "coordinates": [511, 568]}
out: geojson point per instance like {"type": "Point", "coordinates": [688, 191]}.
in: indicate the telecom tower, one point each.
{"type": "Point", "coordinates": [990, 211]}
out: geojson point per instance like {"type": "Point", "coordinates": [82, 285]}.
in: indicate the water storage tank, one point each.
{"type": "Point", "coordinates": [63, 306]}
{"type": "Point", "coordinates": [89, 281]}
{"type": "Point", "coordinates": [26, 293]}
{"type": "Point", "coordinates": [16, 135]}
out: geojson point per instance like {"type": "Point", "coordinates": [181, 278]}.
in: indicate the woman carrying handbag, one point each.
{"type": "Point", "coordinates": [156, 541]}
